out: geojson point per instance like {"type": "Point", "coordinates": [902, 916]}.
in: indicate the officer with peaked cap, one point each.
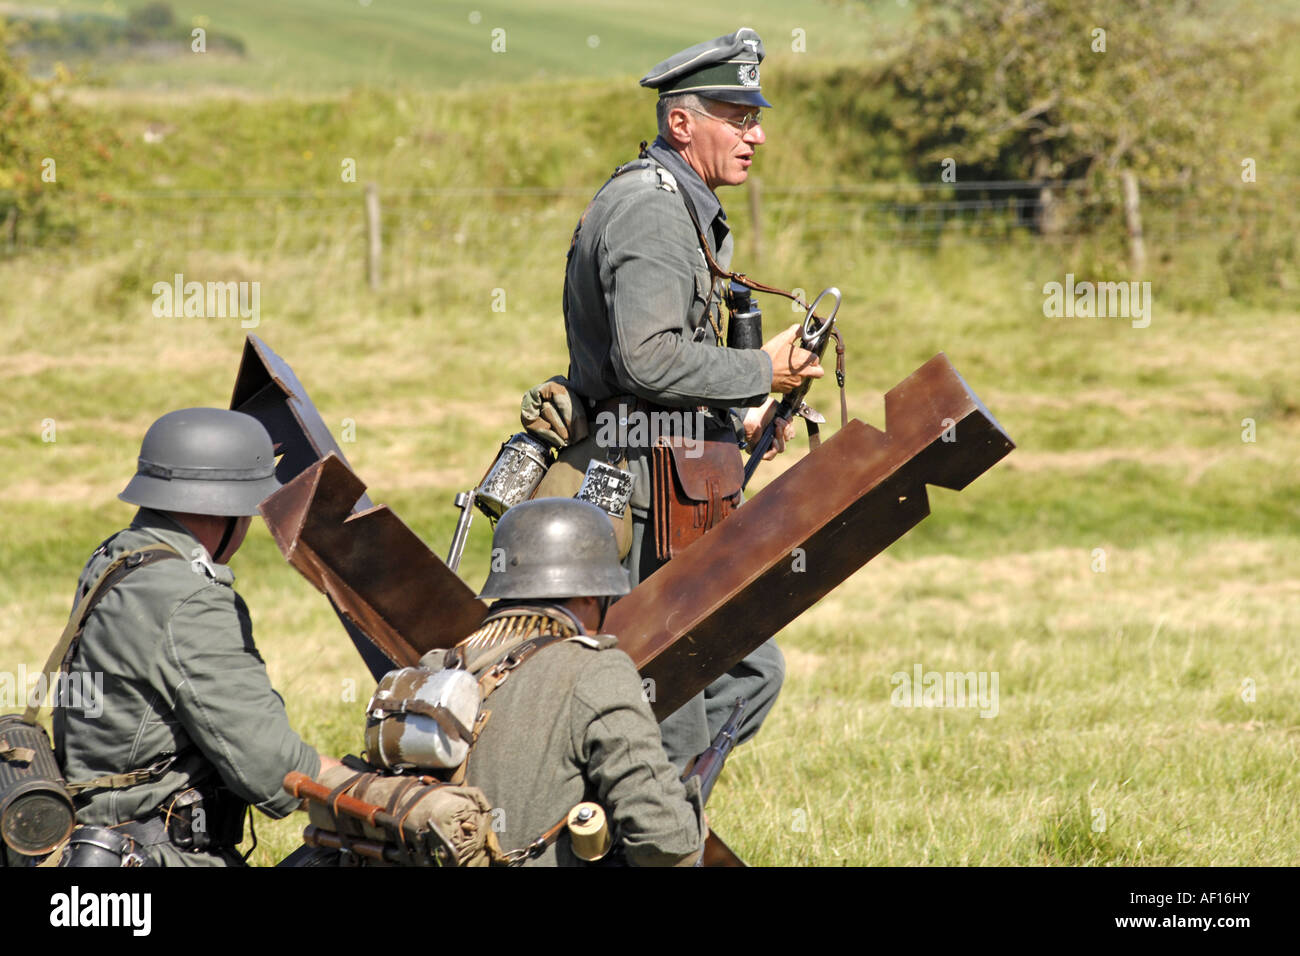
{"type": "Point", "coordinates": [643, 323]}
{"type": "Point", "coordinates": [189, 731]}
{"type": "Point", "coordinates": [725, 69]}
{"type": "Point", "coordinates": [572, 722]}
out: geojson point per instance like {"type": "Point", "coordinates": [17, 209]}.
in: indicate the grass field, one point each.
{"type": "Point", "coordinates": [1121, 690]}
{"type": "Point", "coordinates": [1130, 573]}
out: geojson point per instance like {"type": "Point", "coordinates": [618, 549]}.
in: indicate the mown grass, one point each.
{"type": "Point", "coordinates": [1120, 690]}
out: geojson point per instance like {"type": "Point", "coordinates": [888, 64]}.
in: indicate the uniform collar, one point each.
{"type": "Point", "coordinates": [701, 196]}
{"type": "Point", "coordinates": [171, 532]}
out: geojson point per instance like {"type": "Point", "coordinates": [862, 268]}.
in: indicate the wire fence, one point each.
{"type": "Point", "coordinates": [413, 224]}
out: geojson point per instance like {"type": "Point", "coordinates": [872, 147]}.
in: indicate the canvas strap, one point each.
{"type": "Point", "coordinates": [113, 574]}
{"type": "Point", "coordinates": [61, 656]}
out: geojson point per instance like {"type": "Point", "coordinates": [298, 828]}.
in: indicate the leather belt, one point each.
{"type": "Point", "coordinates": [637, 404]}
{"type": "Point", "coordinates": [615, 402]}
{"type": "Point", "coordinates": [151, 831]}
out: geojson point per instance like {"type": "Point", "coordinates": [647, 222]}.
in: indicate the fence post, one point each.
{"type": "Point", "coordinates": [374, 239]}
{"type": "Point", "coordinates": [1133, 220]}
{"type": "Point", "coordinates": [11, 228]}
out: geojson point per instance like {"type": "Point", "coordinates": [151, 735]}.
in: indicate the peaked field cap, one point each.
{"type": "Point", "coordinates": [725, 68]}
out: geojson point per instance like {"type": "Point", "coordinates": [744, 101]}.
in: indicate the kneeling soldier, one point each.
{"type": "Point", "coordinates": [191, 731]}
{"type": "Point", "coordinates": [572, 724]}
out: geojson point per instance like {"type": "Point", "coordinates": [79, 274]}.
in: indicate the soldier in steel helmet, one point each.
{"type": "Point", "coordinates": [571, 723]}
{"type": "Point", "coordinates": [641, 310]}
{"type": "Point", "coordinates": [190, 732]}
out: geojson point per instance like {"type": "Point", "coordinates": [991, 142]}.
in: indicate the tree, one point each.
{"type": "Point", "coordinates": [48, 149]}
{"type": "Point", "coordinates": [1053, 89]}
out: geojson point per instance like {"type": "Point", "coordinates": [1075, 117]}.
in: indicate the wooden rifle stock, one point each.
{"type": "Point", "coordinates": [717, 853]}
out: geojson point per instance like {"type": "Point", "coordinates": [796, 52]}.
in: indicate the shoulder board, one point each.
{"type": "Point", "coordinates": [666, 180]}
{"type": "Point", "coordinates": [202, 565]}
{"type": "Point", "coordinates": [651, 172]}
{"type": "Point", "coordinates": [597, 642]}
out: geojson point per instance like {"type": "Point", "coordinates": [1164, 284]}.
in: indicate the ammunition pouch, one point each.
{"type": "Point", "coordinates": [203, 819]}
{"type": "Point", "coordinates": [195, 820]}
{"type": "Point", "coordinates": [694, 488]}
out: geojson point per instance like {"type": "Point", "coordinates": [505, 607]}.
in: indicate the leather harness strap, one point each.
{"type": "Point", "coordinates": [64, 649]}
{"type": "Point", "coordinates": [495, 676]}
{"type": "Point", "coordinates": [115, 572]}
{"type": "Point", "coordinates": [717, 271]}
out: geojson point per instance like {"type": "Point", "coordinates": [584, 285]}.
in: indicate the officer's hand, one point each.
{"type": "Point", "coordinates": [783, 433]}
{"type": "Point", "coordinates": [790, 363]}
{"type": "Point", "coordinates": [756, 420]}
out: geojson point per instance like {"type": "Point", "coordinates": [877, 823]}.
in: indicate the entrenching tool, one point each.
{"type": "Point", "coordinates": [812, 527]}
{"type": "Point", "coordinates": [376, 572]}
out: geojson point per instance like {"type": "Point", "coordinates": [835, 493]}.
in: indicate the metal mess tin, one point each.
{"type": "Point", "coordinates": [519, 468]}
{"type": "Point", "coordinates": [407, 718]}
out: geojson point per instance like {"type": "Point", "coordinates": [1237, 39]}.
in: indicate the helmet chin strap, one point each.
{"type": "Point", "coordinates": [605, 602]}
{"type": "Point", "coordinates": [231, 524]}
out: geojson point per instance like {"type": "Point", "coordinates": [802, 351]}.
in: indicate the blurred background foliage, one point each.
{"type": "Point", "coordinates": [1053, 100]}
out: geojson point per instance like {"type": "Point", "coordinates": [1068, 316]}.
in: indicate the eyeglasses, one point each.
{"type": "Point", "coordinates": [744, 124]}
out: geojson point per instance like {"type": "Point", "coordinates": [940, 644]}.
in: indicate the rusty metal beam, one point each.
{"type": "Point", "coordinates": [842, 504]}
{"type": "Point", "coordinates": [378, 574]}
{"type": "Point", "coordinates": [267, 388]}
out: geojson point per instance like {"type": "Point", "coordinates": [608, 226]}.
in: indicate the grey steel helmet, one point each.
{"type": "Point", "coordinates": [555, 548]}
{"type": "Point", "coordinates": [207, 461]}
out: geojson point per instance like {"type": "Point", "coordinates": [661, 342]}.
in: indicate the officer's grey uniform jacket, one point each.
{"type": "Point", "coordinates": [572, 724]}
{"type": "Point", "coordinates": [181, 675]}
{"type": "Point", "coordinates": [636, 293]}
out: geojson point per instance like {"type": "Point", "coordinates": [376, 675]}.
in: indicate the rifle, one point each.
{"type": "Point", "coordinates": [814, 338]}
{"type": "Point", "coordinates": [708, 765]}
{"type": "Point", "coordinates": [706, 768]}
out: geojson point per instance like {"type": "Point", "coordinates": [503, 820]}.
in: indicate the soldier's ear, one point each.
{"type": "Point", "coordinates": [679, 123]}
